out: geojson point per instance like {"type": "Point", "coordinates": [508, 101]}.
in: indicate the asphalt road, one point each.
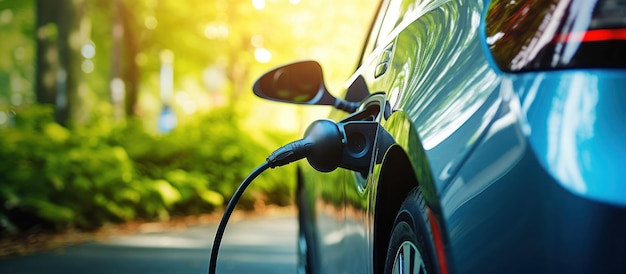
{"type": "Point", "coordinates": [253, 245]}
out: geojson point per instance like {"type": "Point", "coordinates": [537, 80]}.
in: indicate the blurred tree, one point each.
{"type": "Point", "coordinates": [124, 51]}
{"type": "Point", "coordinates": [59, 40]}
{"type": "Point", "coordinates": [219, 45]}
{"type": "Point", "coordinates": [16, 57]}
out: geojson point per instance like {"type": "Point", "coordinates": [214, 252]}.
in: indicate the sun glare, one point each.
{"type": "Point", "coordinates": [262, 55]}
{"type": "Point", "coordinates": [258, 4]}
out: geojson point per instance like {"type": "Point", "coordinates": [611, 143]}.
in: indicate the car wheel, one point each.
{"type": "Point", "coordinates": [411, 246]}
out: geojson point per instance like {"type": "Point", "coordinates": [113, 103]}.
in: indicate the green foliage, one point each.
{"type": "Point", "coordinates": [101, 171]}
{"type": "Point", "coordinates": [106, 172]}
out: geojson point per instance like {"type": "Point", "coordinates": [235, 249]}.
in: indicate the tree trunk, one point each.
{"type": "Point", "coordinates": [131, 72]}
{"type": "Point", "coordinates": [58, 70]}
{"type": "Point", "coordinates": [48, 63]}
{"type": "Point", "coordinates": [125, 50]}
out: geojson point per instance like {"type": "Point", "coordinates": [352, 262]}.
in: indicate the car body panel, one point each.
{"type": "Point", "coordinates": [434, 107]}
{"type": "Point", "coordinates": [574, 117]}
{"type": "Point", "coordinates": [514, 166]}
{"type": "Point", "coordinates": [543, 217]}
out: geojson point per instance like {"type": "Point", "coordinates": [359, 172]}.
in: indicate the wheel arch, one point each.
{"type": "Point", "coordinates": [395, 182]}
{"type": "Point", "coordinates": [403, 168]}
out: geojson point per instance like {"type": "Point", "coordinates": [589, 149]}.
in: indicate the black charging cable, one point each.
{"type": "Point", "coordinates": [229, 211]}
{"type": "Point", "coordinates": [322, 146]}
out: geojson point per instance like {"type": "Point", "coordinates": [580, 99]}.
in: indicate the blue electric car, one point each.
{"type": "Point", "coordinates": [476, 137]}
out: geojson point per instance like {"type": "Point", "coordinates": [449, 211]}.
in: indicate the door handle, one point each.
{"type": "Point", "coordinates": [383, 61]}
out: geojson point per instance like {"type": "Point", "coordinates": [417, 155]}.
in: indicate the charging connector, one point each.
{"type": "Point", "coordinates": [322, 145]}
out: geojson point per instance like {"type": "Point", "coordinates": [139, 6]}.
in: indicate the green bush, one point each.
{"type": "Point", "coordinates": [84, 177]}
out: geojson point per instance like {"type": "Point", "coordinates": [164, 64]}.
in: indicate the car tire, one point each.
{"type": "Point", "coordinates": [411, 247]}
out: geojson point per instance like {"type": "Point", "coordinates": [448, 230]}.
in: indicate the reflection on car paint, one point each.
{"type": "Point", "coordinates": [505, 127]}
{"type": "Point", "coordinates": [572, 118]}
{"type": "Point", "coordinates": [441, 107]}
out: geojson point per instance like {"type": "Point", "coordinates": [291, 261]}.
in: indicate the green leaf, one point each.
{"type": "Point", "coordinates": [212, 197]}
{"type": "Point", "coordinates": [169, 194]}
{"type": "Point", "coordinates": [56, 132]}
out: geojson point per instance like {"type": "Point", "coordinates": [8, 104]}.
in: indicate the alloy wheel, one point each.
{"type": "Point", "coordinates": [408, 260]}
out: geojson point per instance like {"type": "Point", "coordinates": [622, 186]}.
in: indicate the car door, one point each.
{"type": "Point", "coordinates": [439, 93]}
{"type": "Point", "coordinates": [426, 61]}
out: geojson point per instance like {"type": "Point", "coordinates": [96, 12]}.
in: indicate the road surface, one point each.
{"type": "Point", "coordinates": [252, 245]}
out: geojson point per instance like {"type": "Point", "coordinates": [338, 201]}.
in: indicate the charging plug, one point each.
{"type": "Point", "coordinates": [322, 145]}
{"type": "Point", "coordinates": [328, 145]}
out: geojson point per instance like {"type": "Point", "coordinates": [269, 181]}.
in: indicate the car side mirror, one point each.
{"type": "Point", "coordinates": [299, 83]}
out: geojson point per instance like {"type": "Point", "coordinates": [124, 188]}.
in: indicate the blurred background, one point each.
{"type": "Point", "coordinates": [120, 110]}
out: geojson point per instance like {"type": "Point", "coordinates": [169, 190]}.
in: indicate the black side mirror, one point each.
{"type": "Point", "coordinates": [299, 83]}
